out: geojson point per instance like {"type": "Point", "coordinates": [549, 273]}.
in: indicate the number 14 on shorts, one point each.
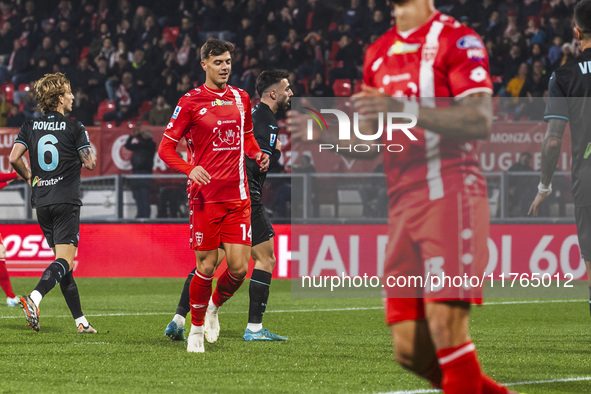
{"type": "Point", "coordinates": [245, 233]}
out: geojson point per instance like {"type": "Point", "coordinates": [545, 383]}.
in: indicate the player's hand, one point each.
{"type": "Point", "coordinates": [200, 176]}
{"type": "Point", "coordinates": [540, 197]}
{"type": "Point", "coordinates": [371, 101]}
{"type": "Point", "coordinates": [263, 161]}
{"type": "Point", "coordinates": [279, 145]}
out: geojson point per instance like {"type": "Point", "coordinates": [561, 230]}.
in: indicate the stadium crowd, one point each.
{"type": "Point", "coordinates": [128, 52]}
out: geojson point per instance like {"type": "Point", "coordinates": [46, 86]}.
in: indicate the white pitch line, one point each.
{"type": "Point", "coordinates": [577, 379]}
{"type": "Point", "coordinates": [295, 310]}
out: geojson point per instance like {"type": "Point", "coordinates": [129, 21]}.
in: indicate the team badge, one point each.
{"type": "Point", "coordinates": [199, 238]}
{"type": "Point", "coordinates": [429, 52]}
{"type": "Point", "coordinates": [478, 74]}
{"type": "Point", "coordinates": [176, 112]}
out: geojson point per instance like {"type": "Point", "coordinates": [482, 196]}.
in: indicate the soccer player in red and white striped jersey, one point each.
{"type": "Point", "coordinates": [439, 214]}
{"type": "Point", "coordinates": [215, 120]}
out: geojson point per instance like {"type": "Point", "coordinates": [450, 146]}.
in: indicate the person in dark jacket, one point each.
{"type": "Point", "coordinates": [143, 148]}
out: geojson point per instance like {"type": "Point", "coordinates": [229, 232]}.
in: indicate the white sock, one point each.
{"type": "Point", "coordinates": [212, 307]}
{"type": "Point", "coordinates": [36, 297]}
{"type": "Point", "coordinates": [254, 327]}
{"type": "Point", "coordinates": [82, 320]}
{"type": "Point", "coordinates": [196, 329]}
{"type": "Point", "coordinates": [179, 320]}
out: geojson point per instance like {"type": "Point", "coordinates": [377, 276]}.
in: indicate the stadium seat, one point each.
{"type": "Point", "coordinates": [145, 107]}
{"type": "Point", "coordinates": [24, 87]}
{"type": "Point", "coordinates": [170, 33]}
{"type": "Point", "coordinates": [9, 91]}
{"type": "Point", "coordinates": [342, 88]}
{"type": "Point", "coordinates": [104, 107]}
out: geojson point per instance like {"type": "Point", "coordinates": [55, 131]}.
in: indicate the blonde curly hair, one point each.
{"type": "Point", "coordinates": [48, 90]}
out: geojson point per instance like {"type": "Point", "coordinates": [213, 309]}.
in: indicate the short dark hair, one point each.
{"type": "Point", "coordinates": [215, 47]}
{"type": "Point", "coordinates": [583, 18]}
{"type": "Point", "coordinates": [268, 78]}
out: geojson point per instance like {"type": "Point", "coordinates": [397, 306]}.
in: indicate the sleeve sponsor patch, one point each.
{"type": "Point", "coordinates": [469, 42]}
{"type": "Point", "coordinates": [176, 112]}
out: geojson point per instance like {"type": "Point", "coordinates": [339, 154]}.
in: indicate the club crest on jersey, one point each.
{"type": "Point", "coordinates": [176, 112]}
{"type": "Point", "coordinates": [401, 48]}
{"type": "Point", "coordinates": [469, 42]}
{"type": "Point", "coordinates": [199, 238]}
{"type": "Point", "coordinates": [221, 102]}
{"type": "Point", "coordinates": [429, 52]}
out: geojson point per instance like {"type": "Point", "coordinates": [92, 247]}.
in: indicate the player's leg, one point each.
{"type": "Point", "coordinates": [175, 330]}
{"type": "Point", "coordinates": [264, 262]}
{"type": "Point", "coordinates": [583, 220]}
{"type": "Point", "coordinates": [11, 298]}
{"type": "Point", "coordinates": [199, 294]}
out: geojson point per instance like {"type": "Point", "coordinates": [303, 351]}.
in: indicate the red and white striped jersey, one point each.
{"type": "Point", "coordinates": [441, 58]}
{"type": "Point", "coordinates": [213, 122]}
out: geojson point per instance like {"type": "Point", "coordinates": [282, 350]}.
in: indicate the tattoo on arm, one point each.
{"type": "Point", "coordinates": [551, 149]}
{"type": "Point", "coordinates": [88, 157]}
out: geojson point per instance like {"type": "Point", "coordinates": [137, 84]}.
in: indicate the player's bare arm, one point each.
{"type": "Point", "coordinates": [471, 119]}
{"type": "Point", "coordinates": [88, 158]}
{"type": "Point", "coordinates": [17, 162]}
{"type": "Point", "coordinates": [550, 152]}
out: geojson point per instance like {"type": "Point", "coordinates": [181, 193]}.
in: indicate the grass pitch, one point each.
{"type": "Point", "coordinates": [335, 345]}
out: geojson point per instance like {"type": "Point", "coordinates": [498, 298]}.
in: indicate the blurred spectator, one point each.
{"type": "Point", "coordinates": [297, 88]}
{"type": "Point", "coordinates": [17, 63]}
{"type": "Point", "coordinates": [142, 72]}
{"type": "Point", "coordinates": [185, 54]}
{"type": "Point", "coordinates": [160, 113]}
{"type": "Point", "coordinates": [187, 29]}
{"type": "Point", "coordinates": [304, 166]}
{"type": "Point", "coordinates": [150, 33]}
{"type": "Point", "coordinates": [16, 118]}
{"type": "Point", "coordinates": [121, 50]}
{"type": "Point", "coordinates": [522, 188]}
{"type": "Point", "coordinates": [537, 54]}
{"type": "Point", "coordinates": [82, 110]}
{"type": "Point", "coordinates": [512, 63]}
{"type": "Point", "coordinates": [4, 109]}
{"type": "Point", "coordinates": [319, 88]}
{"type": "Point", "coordinates": [127, 101]}
{"type": "Point", "coordinates": [45, 51]}
{"type": "Point", "coordinates": [107, 51]}
{"type": "Point", "coordinates": [271, 53]}
{"type": "Point", "coordinates": [97, 82]}
{"type": "Point", "coordinates": [555, 51]}
{"type": "Point", "coordinates": [533, 33]}
{"type": "Point", "coordinates": [535, 86]}
{"type": "Point", "coordinates": [346, 59]}
{"type": "Point", "coordinates": [354, 18]}
{"type": "Point", "coordinates": [143, 148]}
{"type": "Point", "coordinates": [115, 75]}
{"type": "Point", "coordinates": [377, 25]}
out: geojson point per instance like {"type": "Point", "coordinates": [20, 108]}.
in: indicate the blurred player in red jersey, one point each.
{"type": "Point", "coordinates": [439, 214]}
{"type": "Point", "coordinates": [11, 298]}
{"type": "Point", "coordinates": [215, 120]}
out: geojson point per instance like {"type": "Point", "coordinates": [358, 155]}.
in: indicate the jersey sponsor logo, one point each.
{"type": "Point", "coordinates": [176, 112]}
{"type": "Point", "coordinates": [226, 137]}
{"type": "Point", "coordinates": [217, 102]}
{"type": "Point", "coordinates": [199, 238]}
{"type": "Point", "coordinates": [585, 67]}
{"type": "Point", "coordinates": [479, 74]}
{"type": "Point", "coordinates": [45, 182]}
{"type": "Point", "coordinates": [470, 41]}
{"type": "Point", "coordinates": [49, 126]}
{"type": "Point", "coordinates": [401, 48]}
{"type": "Point", "coordinates": [203, 111]}
{"type": "Point", "coordinates": [388, 79]}
{"type": "Point", "coordinates": [476, 54]}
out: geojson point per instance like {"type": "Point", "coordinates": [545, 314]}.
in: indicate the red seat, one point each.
{"type": "Point", "coordinates": [9, 91]}
{"type": "Point", "coordinates": [24, 87]}
{"type": "Point", "coordinates": [145, 107]}
{"type": "Point", "coordinates": [342, 88]}
{"type": "Point", "coordinates": [104, 107]}
{"type": "Point", "coordinates": [170, 33]}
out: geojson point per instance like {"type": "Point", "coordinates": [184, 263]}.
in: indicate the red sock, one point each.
{"type": "Point", "coordinates": [199, 293]}
{"type": "Point", "coordinates": [5, 280]}
{"type": "Point", "coordinates": [489, 386]}
{"type": "Point", "coordinates": [226, 287]}
{"type": "Point", "coordinates": [460, 369]}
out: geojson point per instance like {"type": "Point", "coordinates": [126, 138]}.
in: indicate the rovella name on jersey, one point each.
{"type": "Point", "coordinates": [49, 126]}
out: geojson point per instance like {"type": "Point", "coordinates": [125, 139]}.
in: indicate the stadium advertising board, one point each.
{"type": "Point", "coordinates": [506, 143]}
{"type": "Point", "coordinates": [159, 250]}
